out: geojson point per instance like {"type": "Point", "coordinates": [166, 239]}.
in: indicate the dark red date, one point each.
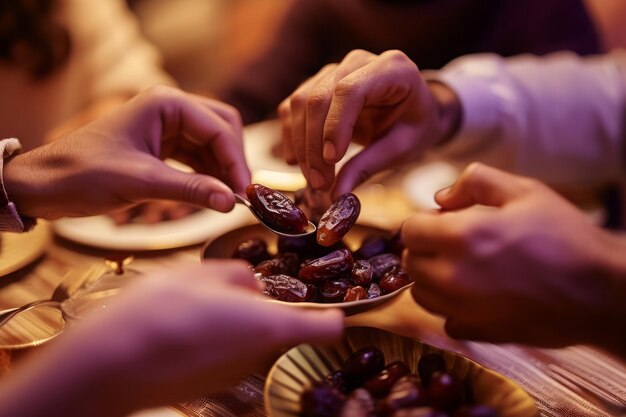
{"type": "Point", "coordinates": [252, 250]}
{"type": "Point", "coordinates": [394, 279]}
{"type": "Point", "coordinates": [330, 266]}
{"type": "Point", "coordinates": [286, 288]}
{"type": "Point", "coordinates": [276, 209]}
{"type": "Point", "coordinates": [338, 219]}
{"type": "Point", "coordinates": [371, 246]}
{"type": "Point", "coordinates": [363, 364]}
{"type": "Point", "coordinates": [334, 290]}
{"type": "Point", "coordinates": [380, 385]}
{"type": "Point", "coordinates": [428, 365]}
{"type": "Point", "coordinates": [362, 272]}
{"type": "Point", "coordinates": [383, 263]}
{"type": "Point", "coordinates": [355, 293]}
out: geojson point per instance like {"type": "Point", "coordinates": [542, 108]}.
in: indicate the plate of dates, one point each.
{"type": "Point", "coordinates": [373, 373]}
{"type": "Point", "coordinates": [356, 273]}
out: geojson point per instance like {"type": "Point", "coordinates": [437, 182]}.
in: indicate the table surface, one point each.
{"type": "Point", "coordinates": [576, 381]}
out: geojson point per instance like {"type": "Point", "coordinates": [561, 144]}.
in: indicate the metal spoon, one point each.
{"type": "Point", "coordinates": [309, 230]}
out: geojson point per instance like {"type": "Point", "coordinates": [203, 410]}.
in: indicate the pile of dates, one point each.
{"type": "Point", "coordinates": [321, 268]}
{"type": "Point", "coordinates": [366, 387]}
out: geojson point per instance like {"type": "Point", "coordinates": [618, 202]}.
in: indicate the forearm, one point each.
{"type": "Point", "coordinates": [59, 381]}
{"type": "Point", "coordinates": [558, 118]}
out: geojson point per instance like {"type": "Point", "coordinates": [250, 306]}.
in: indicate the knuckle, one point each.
{"type": "Point", "coordinates": [317, 101]}
{"type": "Point", "coordinates": [299, 100]}
{"type": "Point", "coordinates": [194, 190]}
{"type": "Point", "coordinates": [345, 88]}
{"type": "Point", "coordinates": [357, 54]}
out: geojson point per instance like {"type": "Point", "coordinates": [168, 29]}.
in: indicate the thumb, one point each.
{"type": "Point", "coordinates": [167, 183]}
{"type": "Point", "coordinates": [481, 184]}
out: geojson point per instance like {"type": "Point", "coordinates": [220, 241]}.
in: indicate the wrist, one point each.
{"type": "Point", "coordinates": [449, 111]}
{"type": "Point", "coordinates": [10, 219]}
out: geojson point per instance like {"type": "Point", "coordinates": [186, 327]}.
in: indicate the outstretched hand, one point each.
{"type": "Point", "coordinates": [379, 101]}
{"type": "Point", "coordinates": [509, 260]}
{"type": "Point", "coordinates": [116, 161]}
{"type": "Point", "coordinates": [168, 337]}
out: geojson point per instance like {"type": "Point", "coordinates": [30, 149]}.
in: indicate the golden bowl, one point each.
{"type": "Point", "coordinates": [297, 369]}
{"type": "Point", "coordinates": [224, 245]}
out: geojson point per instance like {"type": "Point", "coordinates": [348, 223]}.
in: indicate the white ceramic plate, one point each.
{"type": "Point", "coordinates": [295, 370]}
{"type": "Point", "coordinates": [102, 232]}
{"type": "Point", "coordinates": [422, 182]}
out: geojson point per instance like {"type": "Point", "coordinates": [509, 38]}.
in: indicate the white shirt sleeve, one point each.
{"type": "Point", "coordinates": [560, 118]}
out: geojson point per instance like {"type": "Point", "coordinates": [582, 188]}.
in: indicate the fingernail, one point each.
{"type": "Point", "coordinates": [443, 192]}
{"type": "Point", "coordinates": [220, 202]}
{"type": "Point", "coordinates": [317, 181]}
{"type": "Point", "coordinates": [330, 153]}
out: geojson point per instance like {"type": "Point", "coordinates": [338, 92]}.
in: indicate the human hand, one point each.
{"type": "Point", "coordinates": [526, 266]}
{"type": "Point", "coordinates": [115, 162]}
{"type": "Point", "coordinates": [153, 212]}
{"type": "Point", "coordinates": [171, 336]}
{"type": "Point", "coordinates": [380, 101]}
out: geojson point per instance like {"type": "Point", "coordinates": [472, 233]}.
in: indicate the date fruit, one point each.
{"type": "Point", "coordinates": [383, 263]}
{"type": "Point", "coordinates": [252, 250]}
{"type": "Point", "coordinates": [286, 288]}
{"type": "Point", "coordinates": [276, 209]}
{"type": "Point", "coordinates": [363, 364]}
{"type": "Point", "coordinates": [380, 385]}
{"type": "Point", "coordinates": [338, 219]}
{"type": "Point", "coordinates": [334, 290]}
{"type": "Point", "coordinates": [330, 266]}
{"type": "Point", "coordinates": [428, 365]}
{"type": "Point", "coordinates": [355, 293]}
{"type": "Point", "coordinates": [394, 279]}
{"type": "Point", "coordinates": [362, 272]}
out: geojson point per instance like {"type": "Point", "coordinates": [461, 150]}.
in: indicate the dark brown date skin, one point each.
{"type": "Point", "coordinates": [445, 391]}
{"type": "Point", "coordinates": [394, 279]}
{"type": "Point", "coordinates": [285, 264]}
{"type": "Point", "coordinates": [330, 266]}
{"type": "Point", "coordinates": [252, 250]}
{"type": "Point", "coordinates": [338, 219]}
{"type": "Point", "coordinates": [383, 263]}
{"type": "Point", "coordinates": [428, 365]}
{"type": "Point", "coordinates": [380, 385]}
{"type": "Point", "coordinates": [363, 364]}
{"type": "Point", "coordinates": [371, 246]}
{"type": "Point", "coordinates": [276, 209]}
{"type": "Point", "coordinates": [355, 293]}
{"type": "Point", "coordinates": [286, 288]}
{"type": "Point", "coordinates": [362, 272]}
{"type": "Point", "coordinates": [334, 290]}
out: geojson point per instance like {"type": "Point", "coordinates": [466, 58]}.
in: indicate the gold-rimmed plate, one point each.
{"type": "Point", "coordinates": [224, 245]}
{"type": "Point", "coordinates": [18, 250]}
{"type": "Point", "coordinates": [298, 368]}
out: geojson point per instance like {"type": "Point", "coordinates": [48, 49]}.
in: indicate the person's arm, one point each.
{"type": "Point", "coordinates": [560, 118]}
{"type": "Point", "coordinates": [507, 260]}
{"type": "Point", "coordinates": [168, 337]}
{"type": "Point", "coordinates": [115, 162]}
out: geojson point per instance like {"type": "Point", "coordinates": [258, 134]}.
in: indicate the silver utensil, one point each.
{"type": "Point", "coordinates": [68, 285]}
{"type": "Point", "coordinates": [309, 230]}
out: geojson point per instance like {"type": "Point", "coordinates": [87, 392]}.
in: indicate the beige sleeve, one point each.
{"type": "Point", "coordinates": [108, 45]}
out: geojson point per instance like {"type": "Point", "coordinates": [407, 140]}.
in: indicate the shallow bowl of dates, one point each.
{"type": "Point", "coordinates": [374, 373]}
{"type": "Point", "coordinates": [360, 272]}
